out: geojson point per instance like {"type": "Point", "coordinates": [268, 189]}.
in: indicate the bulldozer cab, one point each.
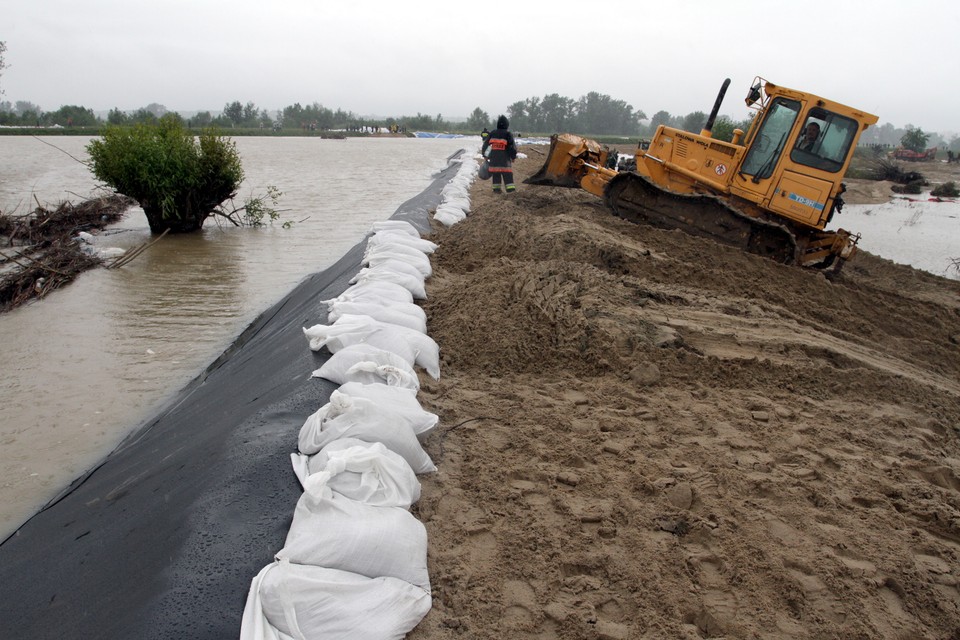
{"type": "Point", "coordinates": [797, 151]}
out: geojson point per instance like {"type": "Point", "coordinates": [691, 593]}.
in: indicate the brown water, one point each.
{"type": "Point", "coordinates": [84, 366]}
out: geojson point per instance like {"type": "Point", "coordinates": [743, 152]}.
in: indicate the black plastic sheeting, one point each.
{"type": "Point", "coordinates": [162, 539]}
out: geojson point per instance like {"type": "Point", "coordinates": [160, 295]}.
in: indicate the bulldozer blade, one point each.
{"type": "Point", "coordinates": [568, 160]}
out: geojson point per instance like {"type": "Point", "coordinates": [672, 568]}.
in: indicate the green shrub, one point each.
{"type": "Point", "coordinates": [910, 188]}
{"type": "Point", "coordinates": [255, 209]}
{"type": "Point", "coordinates": [890, 170]}
{"type": "Point", "coordinates": [946, 190]}
{"type": "Point", "coordinates": [177, 179]}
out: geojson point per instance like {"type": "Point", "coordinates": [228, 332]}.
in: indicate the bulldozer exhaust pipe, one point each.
{"type": "Point", "coordinates": [708, 128]}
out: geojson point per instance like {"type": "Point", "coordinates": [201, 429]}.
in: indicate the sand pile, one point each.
{"type": "Point", "coordinates": [648, 435]}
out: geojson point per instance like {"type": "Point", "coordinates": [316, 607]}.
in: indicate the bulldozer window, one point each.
{"type": "Point", "coordinates": [829, 149]}
{"type": "Point", "coordinates": [768, 142]}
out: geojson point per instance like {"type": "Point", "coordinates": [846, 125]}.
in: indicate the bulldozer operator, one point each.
{"type": "Point", "coordinates": [810, 134]}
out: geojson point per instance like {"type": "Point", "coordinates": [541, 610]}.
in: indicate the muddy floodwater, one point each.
{"type": "Point", "coordinates": [92, 361]}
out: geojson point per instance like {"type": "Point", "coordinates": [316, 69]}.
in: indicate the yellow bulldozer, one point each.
{"type": "Point", "coordinates": [771, 192]}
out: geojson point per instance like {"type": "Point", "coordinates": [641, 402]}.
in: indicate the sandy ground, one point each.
{"type": "Point", "coordinates": [648, 435]}
{"type": "Point", "coordinates": [878, 192]}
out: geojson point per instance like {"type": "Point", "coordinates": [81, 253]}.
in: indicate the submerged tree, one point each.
{"type": "Point", "coordinates": [915, 139]}
{"type": "Point", "coordinates": [177, 179]}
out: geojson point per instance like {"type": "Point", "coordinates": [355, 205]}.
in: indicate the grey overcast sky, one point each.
{"type": "Point", "coordinates": [894, 58]}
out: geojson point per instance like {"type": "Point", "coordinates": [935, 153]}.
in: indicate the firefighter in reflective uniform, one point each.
{"type": "Point", "coordinates": [501, 150]}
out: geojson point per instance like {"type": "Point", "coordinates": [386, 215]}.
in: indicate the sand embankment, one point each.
{"type": "Point", "coordinates": [647, 435]}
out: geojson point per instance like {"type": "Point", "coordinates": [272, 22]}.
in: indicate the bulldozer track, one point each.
{"type": "Point", "coordinates": [633, 197]}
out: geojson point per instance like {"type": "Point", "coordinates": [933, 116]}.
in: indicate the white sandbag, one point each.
{"type": "Point", "coordinates": [343, 333]}
{"type": "Point", "coordinates": [288, 601]}
{"type": "Point", "coordinates": [396, 225]}
{"type": "Point", "coordinates": [351, 329]}
{"type": "Point", "coordinates": [394, 265]}
{"type": "Point", "coordinates": [346, 417]}
{"type": "Point", "coordinates": [390, 236]}
{"type": "Point", "coordinates": [330, 530]}
{"type": "Point", "coordinates": [367, 472]}
{"type": "Point", "coordinates": [461, 202]}
{"type": "Point", "coordinates": [449, 215]}
{"type": "Point", "coordinates": [394, 247]}
{"type": "Point", "coordinates": [412, 284]}
{"type": "Point", "coordinates": [386, 238]}
{"type": "Point", "coordinates": [447, 219]}
{"type": "Point", "coordinates": [403, 314]}
{"type": "Point", "coordinates": [377, 254]}
{"type": "Point", "coordinates": [368, 365]}
{"type": "Point", "coordinates": [454, 189]}
{"type": "Point", "coordinates": [455, 192]}
{"type": "Point", "coordinates": [455, 203]}
{"type": "Point", "coordinates": [397, 403]}
{"type": "Point", "coordinates": [372, 373]}
{"type": "Point", "coordinates": [374, 291]}
{"type": "Point", "coordinates": [413, 346]}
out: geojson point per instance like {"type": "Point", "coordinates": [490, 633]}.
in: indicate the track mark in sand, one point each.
{"type": "Point", "coordinates": [719, 602]}
{"type": "Point", "coordinates": [941, 573]}
{"type": "Point", "coordinates": [803, 464]}
{"type": "Point", "coordinates": [482, 549]}
{"type": "Point", "coordinates": [932, 564]}
{"type": "Point", "coordinates": [893, 597]}
{"type": "Point", "coordinates": [941, 476]}
{"type": "Point", "coordinates": [817, 595]}
{"type": "Point", "coordinates": [591, 515]}
{"type": "Point", "coordinates": [790, 628]}
{"type": "Point", "coordinates": [498, 439]}
{"type": "Point", "coordinates": [588, 597]}
{"type": "Point", "coordinates": [690, 485]}
{"type": "Point", "coordinates": [519, 605]}
{"type": "Point", "coordinates": [702, 484]}
{"type": "Point", "coordinates": [717, 598]}
{"type": "Point", "coordinates": [533, 492]}
{"type": "Point", "coordinates": [783, 532]}
{"type": "Point", "coordinates": [536, 499]}
{"type": "Point", "coordinates": [736, 439]}
{"type": "Point", "coordinates": [611, 610]}
{"type": "Point", "coordinates": [729, 337]}
{"type": "Point", "coordinates": [523, 486]}
{"type": "Point", "coordinates": [857, 565]}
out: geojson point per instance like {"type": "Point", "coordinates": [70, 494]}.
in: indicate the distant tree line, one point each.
{"type": "Point", "coordinates": [27, 114]}
{"type": "Point", "coordinates": [910, 136]}
{"type": "Point", "coordinates": [593, 114]}
{"type": "Point", "coordinates": [596, 114]}
{"type": "Point", "coordinates": [235, 115]}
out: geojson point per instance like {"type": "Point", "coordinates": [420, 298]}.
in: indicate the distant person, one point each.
{"type": "Point", "coordinates": [810, 134]}
{"type": "Point", "coordinates": [501, 150]}
{"type": "Point", "coordinates": [485, 134]}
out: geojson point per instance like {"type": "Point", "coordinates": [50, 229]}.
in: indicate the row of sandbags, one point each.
{"type": "Point", "coordinates": [354, 564]}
